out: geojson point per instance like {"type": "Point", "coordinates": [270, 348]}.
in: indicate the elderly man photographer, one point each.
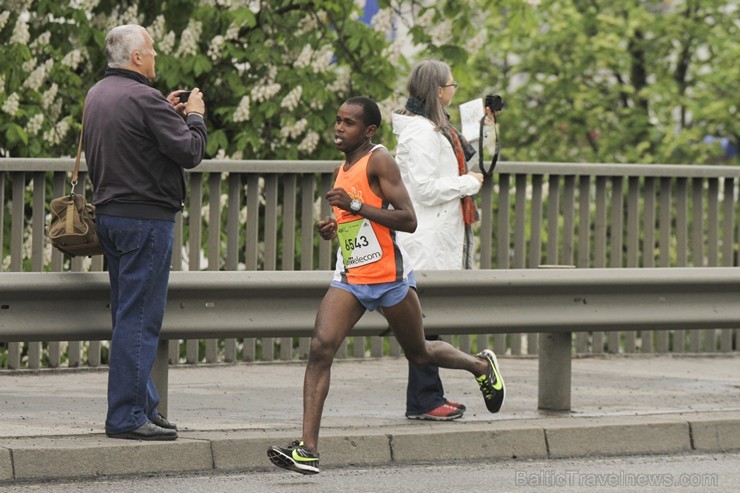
{"type": "Point", "coordinates": [137, 144]}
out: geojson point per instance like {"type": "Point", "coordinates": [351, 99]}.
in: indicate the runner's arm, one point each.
{"type": "Point", "coordinates": [385, 180]}
{"type": "Point", "coordinates": [327, 227]}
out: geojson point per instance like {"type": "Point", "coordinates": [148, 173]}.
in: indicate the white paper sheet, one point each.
{"type": "Point", "coordinates": [470, 114]}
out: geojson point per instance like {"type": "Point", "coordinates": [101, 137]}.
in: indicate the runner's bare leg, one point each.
{"type": "Point", "coordinates": [339, 311]}
{"type": "Point", "coordinates": [406, 322]}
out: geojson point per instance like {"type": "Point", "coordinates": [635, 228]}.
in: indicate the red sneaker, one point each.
{"type": "Point", "coordinates": [461, 407]}
{"type": "Point", "coordinates": [444, 412]}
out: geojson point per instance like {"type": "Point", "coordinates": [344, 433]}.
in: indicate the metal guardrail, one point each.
{"type": "Point", "coordinates": [74, 305]}
{"type": "Point", "coordinates": [211, 304]}
{"type": "Point", "coordinates": [260, 215]}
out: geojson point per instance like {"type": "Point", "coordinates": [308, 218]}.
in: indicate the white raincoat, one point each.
{"type": "Point", "coordinates": [429, 171]}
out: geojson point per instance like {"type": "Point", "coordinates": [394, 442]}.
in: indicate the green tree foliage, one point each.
{"type": "Point", "coordinates": [641, 81]}
{"type": "Point", "coordinates": [584, 80]}
{"type": "Point", "coordinates": [273, 72]}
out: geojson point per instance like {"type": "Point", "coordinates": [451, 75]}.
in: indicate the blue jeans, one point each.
{"type": "Point", "coordinates": [424, 391]}
{"type": "Point", "coordinates": [138, 252]}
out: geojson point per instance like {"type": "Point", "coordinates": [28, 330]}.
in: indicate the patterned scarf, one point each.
{"type": "Point", "coordinates": [463, 152]}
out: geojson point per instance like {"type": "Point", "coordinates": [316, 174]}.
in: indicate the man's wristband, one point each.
{"type": "Point", "coordinates": [194, 113]}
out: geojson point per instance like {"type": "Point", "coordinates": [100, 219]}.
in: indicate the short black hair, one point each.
{"type": "Point", "coordinates": [370, 110]}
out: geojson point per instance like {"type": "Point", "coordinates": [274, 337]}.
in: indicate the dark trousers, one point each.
{"type": "Point", "coordinates": [424, 391]}
{"type": "Point", "coordinates": [138, 252]}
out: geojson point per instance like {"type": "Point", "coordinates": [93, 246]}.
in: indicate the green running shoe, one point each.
{"type": "Point", "coordinates": [491, 383]}
{"type": "Point", "coordinates": [295, 457]}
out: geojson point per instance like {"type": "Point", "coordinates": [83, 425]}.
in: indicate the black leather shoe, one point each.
{"type": "Point", "coordinates": [147, 431]}
{"type": "Point", "coordinates": [162, 422]}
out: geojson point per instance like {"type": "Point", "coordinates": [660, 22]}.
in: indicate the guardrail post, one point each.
{"type": "Point", "coordinates": [160, 374]}
{"type": "Point", "coordinates": [553, 391]}
{"type": "Point", "coordinates": [554, 371]}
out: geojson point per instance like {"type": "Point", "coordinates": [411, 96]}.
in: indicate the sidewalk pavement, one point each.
{"type": "Point", "coordinates": [52, 420]}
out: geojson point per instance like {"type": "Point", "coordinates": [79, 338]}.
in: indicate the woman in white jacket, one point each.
{"type": "Point", "coordinates": [433, 158]}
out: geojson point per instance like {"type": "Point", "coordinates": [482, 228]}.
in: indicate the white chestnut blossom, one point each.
{"type": "Point", "coordinates": [56, 134]}
{"type": "Point", "coordinates": [267, 87]}
{"type": "Point", "coordinates": [36, 78]}
{"type": "Point", "coordinates": [323, 60]}
{"type": "Point", "coordinates": [189, 39]}
{"type": "Point", "coordinates": [382, 22]}
{"type": "Point", "coordinates": [426, 20]}
{"type": "Point", "coordinates": [158, 28]}
{"type": "Point", "coordinates": [533, 3]}
{"type": "Point", "coordinates": [387, 106]}
{"type": "Point", "coordinates": [341, 83]}
{"type": "Point", "coordinates": [130, 15]}
{"type": "Point", "coordinates": [233, 31]}
{"type": "Point", "coordinates": [291, 100]}
{"type": "Point", "coordinates": [308, 24]}
{"type": "Point", "coordinates": [294, 131]}
{"type": "Point", "coordinates": [214, 50]}
{"type": "Point", "coordinates": [85, 5]}
{"type": "Point", "coordinates": [477, 42]}
{"type": "Point", "coordinates": [39, 44]}
{"type": "Point", "coordinates": [49, 96]}
{"type": "Point", "coordinates": [18, 5]}
{"type": "Point", "coordinates": [55, 109]}
{"type": "Point", "coordinates": [309, 142]}
{"type": "Point", "coordinates": [392, 52]}
{"type": "Point", "coordinates": [167, 43]}
{"type": "Point", "coordinates": [242, 68]}
{"type": "Point", "coordinates": [441, 33]}
{"type": "Point", "coordinates": [74, 58]}
{"type": "Point", "coordinates": [316, 104]}
{"type": "Point", "coordinates": [4, 18]}
{"type": "Point", "coordinates": [20, 32]}
{"type": "Point", "coordinates": [2, 84]}
{"type": "Point", "coordinates": [241, 114]}
{"type": "Point", "coordinates": [34, 124]}
{"type": "Point", "coordinates": [11, 105]}
{"type": "Point", "coordinates": [304, 58]}
{"type": "Point", "coordinates": [29, 65]}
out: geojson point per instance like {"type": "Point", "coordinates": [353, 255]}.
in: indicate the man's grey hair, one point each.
{"type": "Point", "coordinates": [121, 41]}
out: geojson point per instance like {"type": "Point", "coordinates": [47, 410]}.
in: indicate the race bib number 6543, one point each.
{"type": "Point", "coordinates": [358, 243]}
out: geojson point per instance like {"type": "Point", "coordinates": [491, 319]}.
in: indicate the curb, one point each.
{"type": "Point", "coordinates": [94, 455]}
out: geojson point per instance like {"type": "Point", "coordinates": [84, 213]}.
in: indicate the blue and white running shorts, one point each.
{"type": "Point", "coordinates": [372, 296]}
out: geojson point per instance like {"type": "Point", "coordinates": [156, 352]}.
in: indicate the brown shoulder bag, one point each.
{"type": "Point", "coordinates": [72, 227]}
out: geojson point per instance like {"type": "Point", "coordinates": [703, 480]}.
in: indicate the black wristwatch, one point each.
{"type": "Point", "coordinates": [355, 206]}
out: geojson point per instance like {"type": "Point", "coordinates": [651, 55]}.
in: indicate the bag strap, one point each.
{"type": "Point", "coordinates": [79, 151]}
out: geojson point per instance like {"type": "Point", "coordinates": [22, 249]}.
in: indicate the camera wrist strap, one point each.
{"type": "Point", "coordinates": [494, 159]}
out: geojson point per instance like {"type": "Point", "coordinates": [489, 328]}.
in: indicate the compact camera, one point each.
{"type": "Point", "coordinates": [495, 102]}
{"type": "Point", "coordinates": [184, 96]}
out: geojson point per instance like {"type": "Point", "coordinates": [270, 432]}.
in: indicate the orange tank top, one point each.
{"type": "Point", "coordinates": [367, 250]}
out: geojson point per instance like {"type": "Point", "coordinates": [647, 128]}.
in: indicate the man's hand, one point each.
{"type": "Point", "coordinates": [338, 197]}
{"type": "Point", "coordinates": [194, 104]}
{"type": "Point", "coordinates": [327, 228]}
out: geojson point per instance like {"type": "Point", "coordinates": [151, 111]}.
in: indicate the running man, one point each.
{"type": "Point", "coordinates": [370, 204]}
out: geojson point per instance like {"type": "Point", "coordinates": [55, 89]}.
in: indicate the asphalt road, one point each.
{"type": "Point", "coordinates": [698, 473]}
